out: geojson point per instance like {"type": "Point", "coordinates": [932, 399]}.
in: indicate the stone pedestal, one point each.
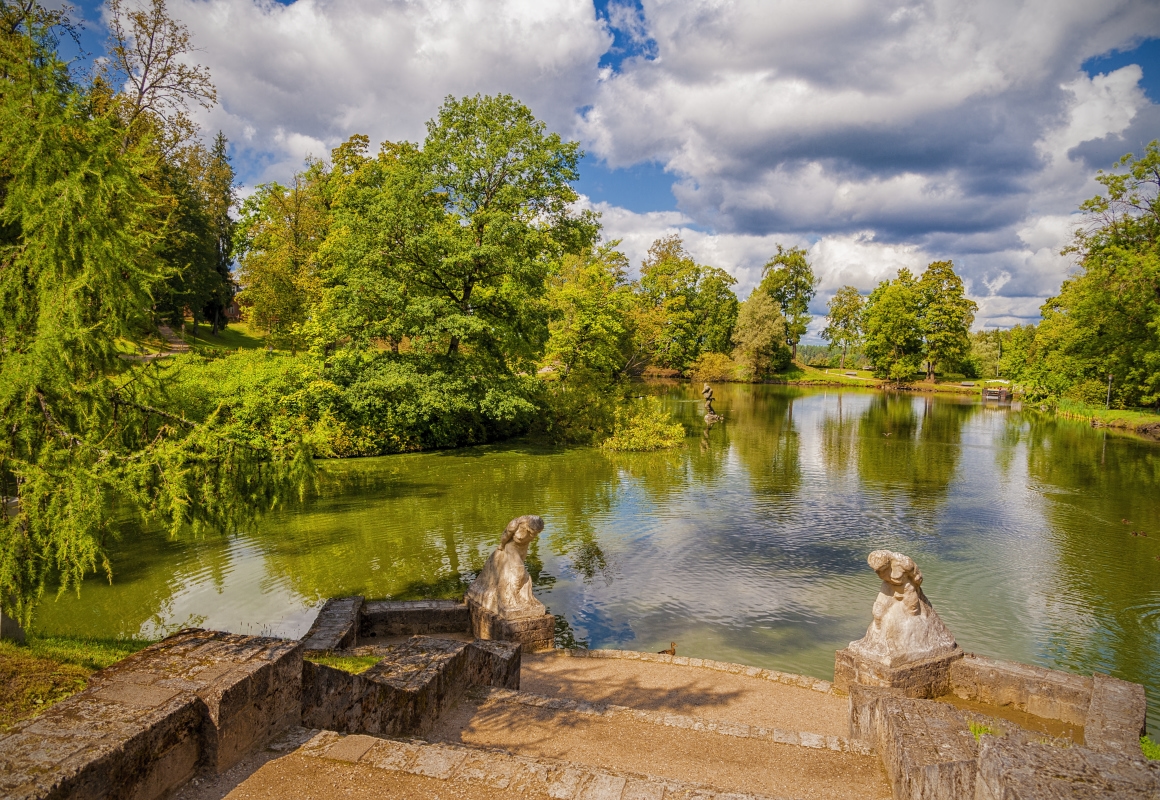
{"type": "Point", "coordinates": [927, 678]}
{"type": "Point", "coordinates": [534, 633]}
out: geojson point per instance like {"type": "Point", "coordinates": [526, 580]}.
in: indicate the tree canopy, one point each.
{"type": "Point", "coordinates": [789, 279]}
{"type": "Point", "coordinates": [844, 328]}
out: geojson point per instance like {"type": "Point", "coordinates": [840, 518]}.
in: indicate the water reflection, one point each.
{"type": "Point", "coordinates": [748, 544]}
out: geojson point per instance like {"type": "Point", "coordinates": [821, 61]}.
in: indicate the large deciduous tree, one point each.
{"type": "Point", "coordinates": [1105, 321]}
{"type": "Point", "coordinates": [789, 279]}
{"type": "Point", "coordinates": [760, 337]}
{"type": "Point", "coordinates": [277, 240]}
{"type": "Point", "coordinates": [503, 185]}
{"type": "Point", "coordinates": [892, 327]}
{"type": "Point", "coordinates": [845, 320]}
{"type": "Point", "coordinates": [694, 304]}
{"type": "Point", "coordinates": [946, 315]}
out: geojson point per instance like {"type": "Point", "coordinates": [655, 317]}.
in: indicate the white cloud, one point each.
{"type": "Point", "coordinates": [292, 78]}
{"type": "Point", "coordinates": [875, 134]}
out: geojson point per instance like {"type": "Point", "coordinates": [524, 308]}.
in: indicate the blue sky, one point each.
{"type": "Point", "coordinates": [876, 134]}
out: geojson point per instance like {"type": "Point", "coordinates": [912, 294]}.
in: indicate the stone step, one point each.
{"type": "Point", "coordinates": [688, 686]}
{"type": "Point", "coordinates": [739, 730]}
{"type": "Point", "coordinates": [726, 755]}
{"type": "Point", "coordinates": [515, 775]}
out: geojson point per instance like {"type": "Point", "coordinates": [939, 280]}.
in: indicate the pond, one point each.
{"type": "Point", "coordinates": [748, 544]}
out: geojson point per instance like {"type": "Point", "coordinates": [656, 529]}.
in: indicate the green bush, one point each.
{"type": "Point", "coordinates": [714, 367]}
{"type": "Point", "coordinates": [355, 405]}
{"type": "Point", "coordinates": [1150, 749]}
{"type": "Point", "coordinates": [580, 410]}
{"type": "Point", "coordinates": [644, 425]}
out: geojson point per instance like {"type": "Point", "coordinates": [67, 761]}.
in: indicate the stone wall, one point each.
{"type": "Point", "coordinates": [197, 700]}
{"type": "Point", "coordinates": [1043, 692]}
{"type": "Point", "coordinates": [415, 617]}
{"type": "Point", "coordinates": [406, 692]}
{"type": "Point", "coordinates": [929, 752]}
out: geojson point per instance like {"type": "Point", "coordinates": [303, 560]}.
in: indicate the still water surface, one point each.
{"type": "Point", "coordinates": [749, 544]}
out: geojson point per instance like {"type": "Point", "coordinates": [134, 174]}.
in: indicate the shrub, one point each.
{"type": "Point", "coordinates": [644, 425]}
{"type": "Point", "coordinates": [714, 367]}
{"type": "Point", "coordinates": [1150, 749]}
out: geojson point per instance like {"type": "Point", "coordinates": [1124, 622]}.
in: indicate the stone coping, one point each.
{"type": "Point", "coordinates": [787, 678]}
{"type": "Point", "coordinates": [501, 770]}
{"type": "Point", "coordinates": [814, 741]}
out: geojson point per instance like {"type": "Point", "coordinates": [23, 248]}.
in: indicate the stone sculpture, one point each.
{"type": "Point", "coordinates": [711, 416]}
{"type": "Point", "coordinates": [905, 627]}
{"type": "Point", "coordinates": [505, 587]}
{"type": "Point", "coordinates": [907, 646]}
{"type": "Point", "coordinates": [500, 600]}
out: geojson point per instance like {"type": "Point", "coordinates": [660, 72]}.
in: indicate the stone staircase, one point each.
{"type": "Point", "coordinates": [709, 730]}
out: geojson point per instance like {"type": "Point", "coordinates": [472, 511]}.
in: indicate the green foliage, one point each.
{"type": "Point", "coordinates": [81, 257]}
{"type": "Point", "coordinates": [1106, 319]}
{"type": "Point", "coordinates": [695, 308]}
{"type": "Point", "coordinates": [845, 320]}
{"type": "Point", "coordinates": [1150, 749]}
{"type": "Point", "coordinates": [355, 665]}
{"type": "Point", "coordinates": [503, 189]}
{"type": "Point", "coordinates": [892, 328]}
{"type": "Point", "coordinates": [276, 241]}
{"type": "Point", "coordinates": [712, 367]}
{"type": "Point", "coordinates": [644, 425]}
{"type": "Point", "coordinates": [590, 304]}
{"type": "Point", "coordinates": [760, 337]}
{"type": "Point", "coordinates": [945, 315]}
{"type": "Point", "coordinates": [789, 279]}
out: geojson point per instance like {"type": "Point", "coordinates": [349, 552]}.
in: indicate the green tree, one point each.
{"type": "Point", "coordinates": [1106, 318]}
{"type": "Point", "coordinates": [590, 300]}
{"type": "Point", "coordinates": [845, 320]}
{"type": "Point", "coordinates": [503, 186]}
{"type": "Point", "coordinates": [219, 191]}
{"type": "Point", "coordinates": [78, 264]}
{"type": "Point", "coordinates": [694, 304]}
{"type": "Point", "coordinates": [760, 336]}
{"type": "Point", "coordinates": [789, 279]}
{"type": "Point", "coordinates": [892, 327]}
{"type": "Point", "coordinates": [1017, 347]}
{"type": "Point", "coordinates": [277, 239]}
{"type": "Point", "coordinates": [946, 315]}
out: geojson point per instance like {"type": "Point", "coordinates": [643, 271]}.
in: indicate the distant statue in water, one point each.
{"type": "Point", "coordinates": [711, 416]}
{"type": "Point", "coordinates": [905, 627]}
{"type": "Point", "coordinates": [504, 587]}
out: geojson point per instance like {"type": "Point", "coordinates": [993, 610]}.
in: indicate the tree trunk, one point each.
{"type": "Point", "coordinates": [794, 356]}
{"type": "Point", "coordinates": [843, 367]}
{"type": "Point", "coordinates": [453, 348]}
{"type": "Point", "coordinates": [930, 372]}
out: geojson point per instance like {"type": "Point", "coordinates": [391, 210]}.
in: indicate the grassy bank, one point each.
{"type": "Point", "coordinates": [48, 669]}
{"type": "Point", "coordinates": [1146, 423]}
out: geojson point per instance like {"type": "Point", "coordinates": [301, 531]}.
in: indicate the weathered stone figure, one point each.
{"type": "Point", "coordinates": [711, 416]}
{"type": "Point", "coordinates": [504, 587]}
{"type": "Point", "coordinates": [905, 627]}
{"type": "Point", "coordinates": [907, 646]}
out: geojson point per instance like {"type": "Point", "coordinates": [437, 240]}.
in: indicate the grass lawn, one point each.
{"type": "Point", "coordinates": [1139, 421]}
{"type": "Point", "coordinates": [48, 669]}
{"type": "Point", "coordinates": [238, 336]}
{"type": "Point", "coordinates": [804, 375]}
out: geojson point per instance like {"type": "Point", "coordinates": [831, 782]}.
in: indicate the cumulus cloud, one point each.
{"type": "Point", "coordinates": [876, 133]}
{"type": "Point", "coordinates": [295, 80]}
